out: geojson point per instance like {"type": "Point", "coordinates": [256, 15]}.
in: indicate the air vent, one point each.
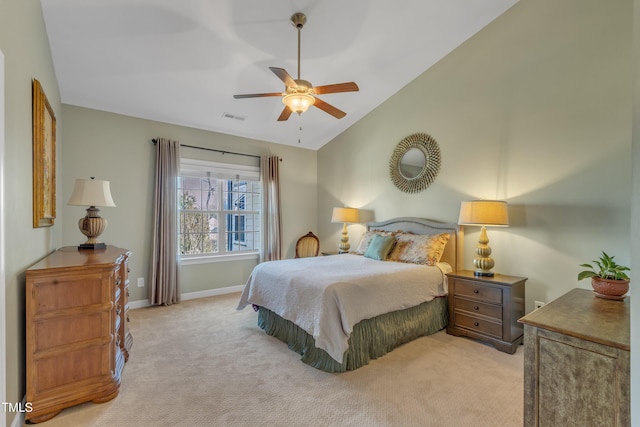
{"type": "Point", "coordinates": [233, 117]}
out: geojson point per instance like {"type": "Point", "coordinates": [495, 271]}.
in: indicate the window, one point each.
{"type": "Point", "coordinates": [219, 210]}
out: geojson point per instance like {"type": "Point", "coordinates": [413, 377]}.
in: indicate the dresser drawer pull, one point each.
{"type": "Point", "coordinates": [475, 291]}
{"type": "Point", "coordinates": [475, 307]}
{"type": "Point", "coordinates": [476, 324]}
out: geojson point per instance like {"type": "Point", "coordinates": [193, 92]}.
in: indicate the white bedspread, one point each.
{"type": "Point", "coordinates": [326, 296]}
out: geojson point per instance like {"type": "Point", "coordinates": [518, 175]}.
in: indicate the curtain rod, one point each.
{"type": "Point", "coordinates": [216, 150]}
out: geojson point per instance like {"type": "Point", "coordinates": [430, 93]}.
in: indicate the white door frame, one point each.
{"type": "Point", "coordinates": [3, 330]}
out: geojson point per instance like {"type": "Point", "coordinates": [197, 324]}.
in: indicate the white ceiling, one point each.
{"type": "Point", "coordinates": [181, 62]}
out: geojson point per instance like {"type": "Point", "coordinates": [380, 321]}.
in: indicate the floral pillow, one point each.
{"type": "Point", "coordinates": [366, 240]}
{"type": "Point", "coordinates": [419, 248]}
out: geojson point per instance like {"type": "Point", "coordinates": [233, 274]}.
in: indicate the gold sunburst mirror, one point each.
{"type": "Point", "coordinates": [415, 163]}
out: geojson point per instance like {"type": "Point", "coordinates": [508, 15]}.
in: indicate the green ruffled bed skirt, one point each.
{"type": "Point", "coordinates": [370, 339]}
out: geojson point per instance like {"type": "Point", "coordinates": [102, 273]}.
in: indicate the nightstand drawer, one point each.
{"type": "Point", "coordinates": [478, 291]}
{"type": "Point", "coordinates": [480, 308]}
{"type": "Point", "coordinates": [483, 326]}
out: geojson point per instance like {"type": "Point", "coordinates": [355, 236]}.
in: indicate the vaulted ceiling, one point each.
{"type": "Point", "coordinates": [181, 62]}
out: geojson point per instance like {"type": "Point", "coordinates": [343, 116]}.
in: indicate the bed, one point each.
{"type": "Point", "coordinates": [339, 312]}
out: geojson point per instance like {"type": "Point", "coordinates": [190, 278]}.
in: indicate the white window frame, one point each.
{"type": "Point", "coordinates": [194, 167]}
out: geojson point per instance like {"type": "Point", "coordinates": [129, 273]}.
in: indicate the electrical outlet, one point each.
{"type": "Point", "coordinates": [141, 282]}
{"type": "Point", "coordinates": [538, 304]}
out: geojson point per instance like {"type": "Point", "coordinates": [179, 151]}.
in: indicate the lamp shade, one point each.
{"type": "Point", "coordinates": [484, 212]}
{"type": "Point", "coordinates": [91, 192]}
{"type": "Point", "coordinates": [345, 215]}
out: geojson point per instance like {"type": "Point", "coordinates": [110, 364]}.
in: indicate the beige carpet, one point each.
{"type": "Point", "coordinates": [202, 363]}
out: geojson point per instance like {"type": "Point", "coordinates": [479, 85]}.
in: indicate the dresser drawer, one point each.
{"type": "Point", "coordinates": [478, 291]}
{"type": "Point", "coordinates": [480, 308]}
{"type": "Point", "coordinates": [476, 324]}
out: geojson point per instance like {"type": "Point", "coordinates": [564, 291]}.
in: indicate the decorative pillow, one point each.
{"type": "Point", "coordinates": [366, 239]}
{"type": "Point", "coordinates": [379, 247]}
{"type": "Point", "coordinates": [419, 248]}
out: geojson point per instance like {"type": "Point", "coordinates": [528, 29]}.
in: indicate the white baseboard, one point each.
{"type": "Point", "coordinates": [193, 295]}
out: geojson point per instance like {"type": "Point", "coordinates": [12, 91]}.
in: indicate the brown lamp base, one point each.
{"type": "Point", "coordinates": [92, 226]}
{"type": "Point", "coordinates": [92, 246]}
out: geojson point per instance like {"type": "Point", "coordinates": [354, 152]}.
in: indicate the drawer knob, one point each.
{"type": "Point", "coordinates": [475, 307]}
{"type": "Point", "coordinates": [476, 324]}
{"type": "Point", "coordinates": [475, 291]}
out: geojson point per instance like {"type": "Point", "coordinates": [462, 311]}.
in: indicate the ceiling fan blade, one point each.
{"type": "Point", "coordinates": [336, 88]}
{"type": "Point", "coordinates": [285, 114]}
{"type": "Point", "coordinates": [284, 76]}
{"type": "Point", "coordinates": [257, 95]}
{"type": "Point", "coordinates": [328, 108]}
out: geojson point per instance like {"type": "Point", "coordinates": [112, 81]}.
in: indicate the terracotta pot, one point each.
{"type": "Point", "coordinates": [609, 288]}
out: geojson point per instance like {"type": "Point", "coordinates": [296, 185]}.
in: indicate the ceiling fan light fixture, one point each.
{"type": "Point", "coordinates": [300, 94]}
{"type": "Point", "coordinates": [298, 102]}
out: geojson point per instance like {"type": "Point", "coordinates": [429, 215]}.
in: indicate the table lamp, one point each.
{"type": "Point", "coordinates": [492, 213]}
{"type": "Point", "coordinates": [91, 192]}
{"type": "Point", "coordinates": [345, 216]}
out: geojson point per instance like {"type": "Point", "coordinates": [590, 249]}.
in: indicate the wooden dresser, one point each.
{"type": "Point", "coordinates": [77, 339]}
{"type": "Point", "coordinates": [487, 308]}
{"type": "Point", "coordinates": [577, 362]}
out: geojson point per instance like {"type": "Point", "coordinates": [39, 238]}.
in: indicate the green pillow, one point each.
{"type": "Point", "coordinates": [379, 247]}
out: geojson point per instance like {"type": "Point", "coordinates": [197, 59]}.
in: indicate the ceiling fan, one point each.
{"type": "Point", "coordinates": [300, 94]}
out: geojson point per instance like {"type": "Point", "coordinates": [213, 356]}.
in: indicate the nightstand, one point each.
{"type": "Point", "coordinates": [487, 308]}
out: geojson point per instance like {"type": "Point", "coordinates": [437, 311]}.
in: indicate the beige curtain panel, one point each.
{"type": "Point", "coordinates": [271, 246]}
{"type": "Point", "coordinates": [164, 288]}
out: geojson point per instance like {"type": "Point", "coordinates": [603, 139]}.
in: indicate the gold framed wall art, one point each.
{"type": "Point", "coordinates": [44, 159]}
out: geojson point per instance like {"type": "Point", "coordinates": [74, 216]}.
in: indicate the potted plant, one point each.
{"type": "Point", "coordinates": [608, 279]}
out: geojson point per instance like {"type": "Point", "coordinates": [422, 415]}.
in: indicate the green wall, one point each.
{"type": "Point", "coordinates": [635, 220]}
{"type": "Point", "coordinates": [535, 109]}
{"type": "Point", "coordinates": [118, 149]}
{"type": "Point", "coordinates": [25, 46]}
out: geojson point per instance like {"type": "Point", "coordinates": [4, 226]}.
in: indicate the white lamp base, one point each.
{"type": "Point", "coordinates": [344, 245]}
